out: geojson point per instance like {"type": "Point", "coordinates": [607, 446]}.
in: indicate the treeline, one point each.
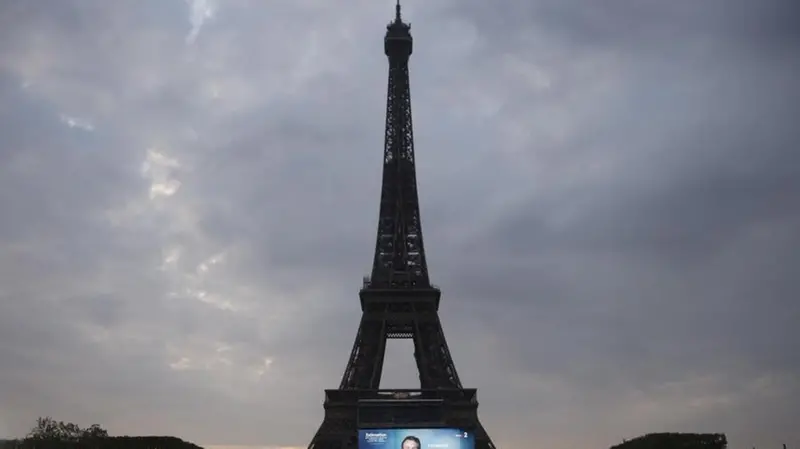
{"type": "Point", "coordinates": [676, 441]}
{"type": "Point", "coordinates": [51, 434]}
{"type": "Point", "coordinates": [125, 442]}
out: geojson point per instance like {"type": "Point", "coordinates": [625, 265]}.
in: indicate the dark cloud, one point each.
{"type": "Point", "coordinates": [189, 203]}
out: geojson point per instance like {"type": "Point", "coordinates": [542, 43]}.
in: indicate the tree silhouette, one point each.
{"type": "Point", "coordinates": [51, 434]}
{"type": "Point", "coordinates": [48, 429]}
{"type": "Point", "coordinates": [676, 441]}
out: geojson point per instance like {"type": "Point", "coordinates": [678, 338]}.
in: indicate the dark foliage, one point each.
{"type": "Point", "coordinates": [104, 443]}
{"type": "Point", "coordinates": [676, 441]}
{"type": "Point", "coordinates": [49, 429]}
{"type": "Point", "coordinates": [51, 434]}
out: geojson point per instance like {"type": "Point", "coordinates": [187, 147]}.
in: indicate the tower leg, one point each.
{"type": "Point", "coordinates": [338, 431]}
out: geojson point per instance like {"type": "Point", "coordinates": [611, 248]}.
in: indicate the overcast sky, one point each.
{"type": "Point", "coordinates": [189, 196]}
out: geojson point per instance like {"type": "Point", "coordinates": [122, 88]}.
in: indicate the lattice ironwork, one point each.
{"type": "Point", "coordinates": [399, 251]}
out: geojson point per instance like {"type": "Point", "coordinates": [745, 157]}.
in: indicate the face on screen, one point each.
{"type": "Point", "coordinates": [410, 443]}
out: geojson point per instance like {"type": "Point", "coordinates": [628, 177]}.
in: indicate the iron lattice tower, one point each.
{"type": "Point", "coordinates": [398, 300]}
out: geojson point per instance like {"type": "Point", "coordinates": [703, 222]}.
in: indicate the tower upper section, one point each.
{"type": "Point", "coordinates": [398, 43]}
{"type": "Point", "coordinates": [399, 252]}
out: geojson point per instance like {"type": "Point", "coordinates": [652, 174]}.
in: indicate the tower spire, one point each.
{"type": "Point", "coordinates": [397, 17]}
{"type": "Point", "coordinates": [399, 251]}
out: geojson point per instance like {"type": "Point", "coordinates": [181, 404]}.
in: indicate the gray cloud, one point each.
{"type": "Point", "coordinates": [607, 198]}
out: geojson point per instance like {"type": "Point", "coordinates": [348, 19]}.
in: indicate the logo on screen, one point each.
{"type": "Point", "coordinates": [375, 437]}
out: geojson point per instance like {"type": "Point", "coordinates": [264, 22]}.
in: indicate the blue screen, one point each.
{"type": "Point", "coordinates": [428, 439]}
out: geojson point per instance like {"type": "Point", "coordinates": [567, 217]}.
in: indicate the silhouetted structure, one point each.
{"type": "Point", "coordinates": [102, 443]}
{"type": "Point", "coordinates": [51, 434]}
{"type": "Point", "coordinates": [676, 441]}
{"type": "Point", "coordinates": [398, 300]}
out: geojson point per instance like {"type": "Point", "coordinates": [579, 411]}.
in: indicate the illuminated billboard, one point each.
{"type": "Point", "coordinates": [415, 439]}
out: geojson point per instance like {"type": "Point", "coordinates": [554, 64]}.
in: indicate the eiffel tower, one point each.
{"type": "Point", "coordinates": [398, 300]}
